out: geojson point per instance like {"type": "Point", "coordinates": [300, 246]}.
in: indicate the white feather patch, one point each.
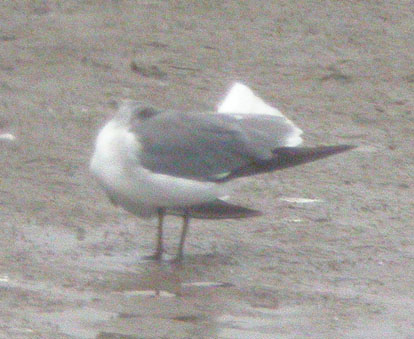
{"type": "Point", "coordinates": [241, 100]}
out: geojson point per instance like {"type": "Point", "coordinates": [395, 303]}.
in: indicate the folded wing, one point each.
{"type": "Point", "coordinates": [245, 137]}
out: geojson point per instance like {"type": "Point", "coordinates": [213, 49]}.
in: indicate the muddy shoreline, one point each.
{"type": "Point", "coordinates": [339, 266]}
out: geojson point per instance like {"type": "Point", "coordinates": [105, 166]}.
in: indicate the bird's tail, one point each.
{"type": "Point", "coordinates": [217, 209]}
{"type": "Point", "coordinates": [285, 157]}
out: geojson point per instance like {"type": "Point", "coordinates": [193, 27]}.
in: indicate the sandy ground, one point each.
{"type": "Point", "coordinates": [342, 267]}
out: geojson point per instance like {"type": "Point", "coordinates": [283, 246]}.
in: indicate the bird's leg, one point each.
{"type": "Point", "coordinates": [186, 220]}
{"type": "Point", "coordinates": [160, 249]}
{"type": "Point", "coordinates": [158, 252]}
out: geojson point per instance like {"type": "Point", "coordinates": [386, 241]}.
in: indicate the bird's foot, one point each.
{"type": "Point", "coordinates": [157, 256]}
{"type": "Point", "coordinates": [178, 259]}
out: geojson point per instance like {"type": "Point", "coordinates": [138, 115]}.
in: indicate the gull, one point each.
{"type": "Point", "coordinates": [154, 162]}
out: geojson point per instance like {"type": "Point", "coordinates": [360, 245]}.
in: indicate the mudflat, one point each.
{"type": "Point", "coordinates": [333, 255]}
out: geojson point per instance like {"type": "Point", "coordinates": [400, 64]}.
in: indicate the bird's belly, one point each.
{"type": "Point", "coordinates": [141, 191]}
{"type": "Point", "coordinates": [166, 191]}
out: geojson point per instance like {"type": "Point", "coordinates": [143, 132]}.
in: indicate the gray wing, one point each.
{"type": "Point", "coordinates": [207, 146]}
{"type": "Point", "coordinates": [267, 131]}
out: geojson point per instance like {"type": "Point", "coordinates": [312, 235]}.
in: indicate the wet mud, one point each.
{"type": "Point", "coordinates": [333, 254]}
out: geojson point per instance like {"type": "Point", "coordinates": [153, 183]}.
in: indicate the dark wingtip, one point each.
{"type": "Point", "coordinates": [321, 152]}
{"type": "Point", "coordinates": [217, 209]}
{"type": "Point", "coordinates": [286, 157]}
{"type": "Point", "coordinates": [317, 151]}
{"type": "Point", "coordinates": [292, 156]}
{"type": "Point", "coordinates": [342, 148]}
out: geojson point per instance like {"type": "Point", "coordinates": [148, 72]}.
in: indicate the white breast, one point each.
{"type": "Point", "coordinates": [115, 164]}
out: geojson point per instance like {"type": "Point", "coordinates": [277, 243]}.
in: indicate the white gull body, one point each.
{"type": "Point", "coordinates": [164, 162]}
{"type": "Point", "coordinates": [117, 167]}
{"type": "Point", "coordinates": [116, 162]}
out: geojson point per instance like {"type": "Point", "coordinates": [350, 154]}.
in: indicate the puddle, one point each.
{"type": "Point", "coordinates": [168, 294]}
{"type": "Point", "coordinates": [149, 293]}
{"type": "Point", "coordinates": [4, 278]}
{"type": "Point", "coordinates": [7, 137]}
{"type": "Point", "coordinates": [114, 335]}
{"type": "Point", "coordinates": [262, 322]}
{"type": "Point", "coordinates": [178, 301]}
{"type": "Point", "coordinates": [49, 289]}
{"type": "Point", "coordinates": [232, 333]}
{"type": "Point", "coordinates": [19, 330]}
{"type": "Point", "coordinates": [292, 220]}
{"type": "Point", "coordinates": [77, 322]}
{"type": "Point", "coordinates": [300, 200]}
{"type": "Point", "coordinates": [213, 284]}
{"type": "Point", "coordinates": [115, 262]}
{"type": "Point", "coordinates": [248, 326]}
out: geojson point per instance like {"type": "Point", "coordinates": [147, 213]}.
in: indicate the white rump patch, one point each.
{"type": "Point", "coordinates": [241, 100]}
